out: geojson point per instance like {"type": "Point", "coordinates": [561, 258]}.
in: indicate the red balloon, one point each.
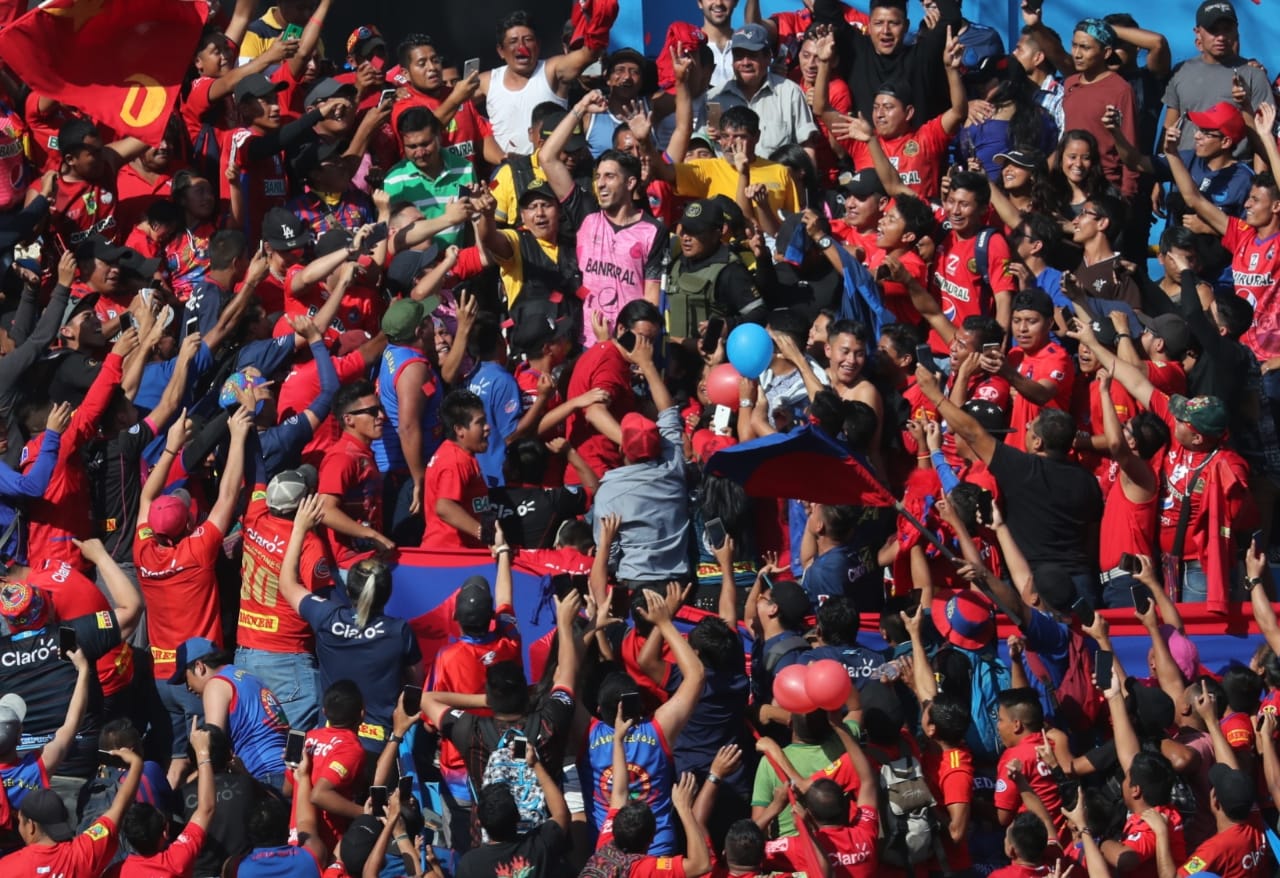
{"type": "Point", "coordinates": [789, 690]}
{"type": "Point", "coordinates": [827, 684]}
{"type": "Point", "coordinates": [722, 385]}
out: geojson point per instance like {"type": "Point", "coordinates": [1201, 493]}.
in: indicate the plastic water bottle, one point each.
{"type": "Point", "coordinates": [888, 671]}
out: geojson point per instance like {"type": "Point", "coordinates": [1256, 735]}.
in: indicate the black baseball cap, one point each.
{"type": "Point", "coordinates": [256, 85]}
{"type": "Point", "coordinates": [313, 155]}
{"type": "Point", "coordinates": [533, 331]}
{"type": "Point", "coordinates": [577, 140]}
{"type": "Point", "coordinates": [284, 231]}
{"type": "Point", "coordinates": [327, 88]}
{"type": "Point", "coordinates": [45, 808]}
{"type": "Point", "coordinates": [1211, 12]}
{"type": "Point", "coordinates": [989, 415]}
{"type": "Point", "coordinates": [861, 184]}
{"type": "Point", "coordinates": [1234, 789]}
{"type": "Point", "coordinates": [100, 248]}
{"type": "Point", "coordinates": [537, 188]}
{"type": "Point", "coordinates": [701, 216]}
{"type": "Point", "coordinates": [474, 606]}
{"type": "Point", "coordinates": [407, 266]}
{"type": "Point", "coordinates": [1023, 158]}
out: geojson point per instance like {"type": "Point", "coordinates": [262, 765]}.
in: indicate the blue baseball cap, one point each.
{"type": "Point", "coordinates": [188, 651]}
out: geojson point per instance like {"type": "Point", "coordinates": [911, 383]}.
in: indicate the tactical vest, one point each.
{"type": "Point", "coordinates": [691, 295]}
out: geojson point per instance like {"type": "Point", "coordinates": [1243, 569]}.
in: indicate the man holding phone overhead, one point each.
{"type": "Point", "coordinates": [467, 134]}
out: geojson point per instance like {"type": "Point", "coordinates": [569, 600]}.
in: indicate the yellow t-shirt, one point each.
{"type": "Point", "coordinates": [504, 191]}
{"type": "Point", "coordinates": [254, 45]}
{"type": "Point", "coordinates": [707, 178]}
{"type": "Point", "coordinates": [512, 270]}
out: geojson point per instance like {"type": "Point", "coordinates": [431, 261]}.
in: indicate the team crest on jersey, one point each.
{"type": "Point", "coordinates": [1194, 865]}
{"type": "Point", "coordinates": [972, 265]}
{"type": "Point", "coordinates": [912, 148]}
{"type": "Point", "coordinates": [97, 832]}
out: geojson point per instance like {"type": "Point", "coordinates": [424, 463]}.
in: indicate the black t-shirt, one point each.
{"type": "Point", "coordinates": [1052, 507]}
{"type": "Point", "coordinates": [115, 487]}
{"type": "Point", "coordinates": [530, 516]}
{"type": "Point", "coordinates": [719, 718]}
{"type": "Point", "coordinates": [30, 667]}
{"type": "Point", "coordinates": [539, 852]}
{"type": "Point", "coordinates": [547, 727]}
{"type": "Point", "coordinates": [228, 833]}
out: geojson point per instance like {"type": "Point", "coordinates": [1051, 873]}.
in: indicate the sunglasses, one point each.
{"type": "Point", "coordinates": [373, 411]}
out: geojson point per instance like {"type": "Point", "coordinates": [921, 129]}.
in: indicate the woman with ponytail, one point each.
{"type": "Point", "coordinates": [356, 641]}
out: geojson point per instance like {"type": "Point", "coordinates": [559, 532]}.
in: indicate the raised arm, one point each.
{"type": "Point", "coordinates": [697, 858]}
{"type": "Point", "coordinates": [64, 738]}
{"type": "Point", "coordinates": [310, 514]}
{"type": "Point", "coordinates": [549, 154]}
{"type": "Point", "coordinates": [1130, 376]}
{"type": "Point", "coordinates": [223, 512]}
{"type": "Point", "coordinates": [1212, 215]}
{"type": "Point", "coordinates": [674, 714]}
{"type": "Point", "coordinates": [953, 61]}
{"type": "Point", "coordinates": [960, 421]}
{"type": "Point", "coordinates": [123, 594]}
{"type": "Point", "coordinates": [619, 793]}
{"type": "Point", "coordinates": [1133, 466]}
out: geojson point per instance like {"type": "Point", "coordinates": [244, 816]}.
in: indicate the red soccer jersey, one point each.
{"type": "Point", "coordinates": [303, 385]}
{"type": "Point", "coordinates": [63, 512]}
{"type": "Point", "coordinates": [81, 208]}
{"type": "Point", "coordinates": [360, 308]}
{"type": "Point", "coordinates": [460, 667]}
{"type": "Point", "coordinates": [336, 756]}
{"type": "Point", "coordinates": [350, 473]}
{"type": "Point", "coordinates": [463, 136]}
{"type": "Point", "coordinates": [1126, 526]}
{"type": "Point", "coordinates": [896, 297]}
{"type": "Point", "coordinates": [1017, 870]}
{"type": "Point", "coordinates": [602, 367]}
{"type": "Point", "coordinates": [950, 776]}
{"type": "Point", "coordinates": [261, 181]}
{"type": "Point", "coordinates": [270, 292]}
{"type": "Point", "coordinates": [266, 622]}
{"type": "Point", "coordinates": [1238, 852]}
{"type": "Point", "coordinates": [851, 849]}
{"type": "Point", "coordinates": [645, 867]}
{"type": "Point", "coordinates": [958, 282]}
{"type": "Point", "coordinates": [1169, 377]}
{"type": "Point", "coordinates": [453, 473]}
{"type": "Point", "coordinates": [1038, 775]}
{"type": "Point", "coordinates": [74, 595]}
{"type": "Point", "coordinates": [1237, 728]}
{"type": "Point", "coordinates": [1138, 837]}
{"type": "Point", "coordinates": [1050, 363]}
{"type": "Point", "coordinates": [135, 194]}
{"type": "Point", "coordinates": [180, 590]}
{"type": "Point", "coordinates": [1255, 272]}
{"type": "Point", "coordinates": [916, 156]}
{"type": "Point", "coordinates": [85, 856]}
{"type": "Point", "coordinates": [197, 109]}
{"type": "Point", "coordinates": [178, 858]}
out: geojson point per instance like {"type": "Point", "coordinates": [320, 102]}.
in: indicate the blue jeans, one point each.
{"type": "Point", "coordinates": [1195, 585]}
{"type": "Point", "coordinates": [181, 704]}
{"type": "Point", "coordinates": [397, 497]}
{"type": "Point", "coordinates": [294, 678]}
{"type": "Point", "coordinates": [1116, 592]}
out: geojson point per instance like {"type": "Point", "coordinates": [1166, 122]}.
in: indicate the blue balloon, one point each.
{"type": "Point", "coordinates": [750, 349]}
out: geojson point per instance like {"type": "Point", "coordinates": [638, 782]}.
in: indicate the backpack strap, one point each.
{"type": "Point", "coordinates": [981, 256]}
{"type": "Point", "coordinates": [788, 644]}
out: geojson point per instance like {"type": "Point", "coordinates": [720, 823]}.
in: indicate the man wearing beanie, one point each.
{"type": "Point", "coordinates": [648, 492]}
{"type": "Point", "coordinates": [1040, 371]}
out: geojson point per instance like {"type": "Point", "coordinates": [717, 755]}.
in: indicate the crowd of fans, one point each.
{"type": "Point", "coordinates": [360, 303]}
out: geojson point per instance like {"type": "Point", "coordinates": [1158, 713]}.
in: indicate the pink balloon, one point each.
{"type": "Point", "coordinates": [789, 690]}
{"type": "Point", "coordinates": [722, 385]}
{"type": "Point", "coordinates": [827, 684]}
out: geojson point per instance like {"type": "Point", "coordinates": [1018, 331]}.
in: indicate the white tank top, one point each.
{"type": "Point", "coordinates": [510, 112]}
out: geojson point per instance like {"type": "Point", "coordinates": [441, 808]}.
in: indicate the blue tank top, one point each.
{"type": "Point", "coordinates": [258, 724]}
{"type": "Point", "coordinates": [386, 450]}
{"type": "Point", "coordinates": [285, 861]}
{"type": "Point", "coordinates": [652, 776]}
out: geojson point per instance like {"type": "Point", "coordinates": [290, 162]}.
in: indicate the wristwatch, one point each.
{"type": "Point", "coordinates": [824, 242]}
{"type": "Point", "coordinates": [745, 403]}
{"type": "Point", "coordinates": [1252, 581]}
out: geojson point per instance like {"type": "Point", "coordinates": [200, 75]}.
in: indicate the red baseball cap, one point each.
{"type": "Point", "coordinates": [1222, 117]}
{"type": "Point", "coordinates": [169, 516]}
{"type": "Point", "coordinates": [964, 619]}
{"type": "Point", "coordinates": [640, 440]}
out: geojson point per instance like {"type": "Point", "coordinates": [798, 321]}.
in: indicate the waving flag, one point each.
{"type": "Point", "coordinates": [120, 61]}
{"type": "Point", "coordinates": [805, 464]}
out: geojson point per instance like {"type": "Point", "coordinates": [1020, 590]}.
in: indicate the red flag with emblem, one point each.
{"type": "Point", "coordinates": [120, 61]}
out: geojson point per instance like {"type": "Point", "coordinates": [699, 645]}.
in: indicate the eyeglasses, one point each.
{"type": "Point", "coordinates": [1202, 133]}
{"type": "Point", "coordinates": [1092, 213]}
{"type": "Point", "coordinates": [372, 411]}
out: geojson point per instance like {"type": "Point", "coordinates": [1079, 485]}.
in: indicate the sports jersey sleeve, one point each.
{"type": "Point", "coordinates": [96, 846]}
{"type": "Point", "coordinates": [1007, 797]}
{"type": "Point", "coordinates": [657, 255]}
{"type": "Point", "coordinates": [955, 786]}
{"type": "Point", "coordinates": [97, 633]}
{"type": "Point", "coordinates": [335, 470]}
{"type": "Point", "coordinates": [998, 265]}
{"type": "Point", "coordinates": [181, 854]}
